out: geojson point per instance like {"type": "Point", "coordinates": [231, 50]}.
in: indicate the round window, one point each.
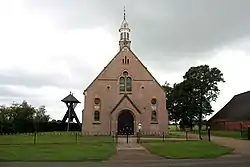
{"type": "Point", "coordinates": [153, 101]}
{"type": "Point", "coordinates": [97, 101]}
{"type": "Point", "coordinates": [125, 73]}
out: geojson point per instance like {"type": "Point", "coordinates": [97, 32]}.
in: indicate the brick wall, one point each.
{"type": "Point", "coordinates": [230, 125]}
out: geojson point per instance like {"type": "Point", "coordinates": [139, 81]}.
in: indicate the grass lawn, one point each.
{"type": "Point", "coordinates": [170, 135]}
{"type": "Point", "coordinates": [55, 147]}
{"type": "Point", "coordinates": [233, 134]}
{"type": "Point", "coordinates": [195, 128]}
{"type": "Point", "coordinates": [186, 149]}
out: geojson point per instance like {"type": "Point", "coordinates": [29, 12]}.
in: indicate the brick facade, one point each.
{"type": "Point", "coordinates": [124, 95]}
{"type": "Point", "coordinates": [113, 102]}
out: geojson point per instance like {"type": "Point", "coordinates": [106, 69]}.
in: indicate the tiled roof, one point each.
{"type": "Point", "coordinates": [237, 109]}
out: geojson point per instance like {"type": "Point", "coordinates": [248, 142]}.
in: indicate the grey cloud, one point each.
{"type": "Point", "coordinates": [9, 95]}
{"type": "Point", "coordinates": [6, 92]}
{"type": "Point", "coordinates": [167, 30]}
{"type": "Point", "coordinates": [165, 25]}
{"type": "Point", "coordinates": [79, 75]}
{"type": "Point", "coordinates": [166, 34]}
{"type": "Point", "coordinates": [175, 26]}
{"type": "Point", "coordinates": [17, 77]}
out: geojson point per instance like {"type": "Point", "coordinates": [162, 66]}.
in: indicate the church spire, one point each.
{"type": "Point", "coordinates": [124, 32]}
{"type": "Point", "coordinates": [124, 13]}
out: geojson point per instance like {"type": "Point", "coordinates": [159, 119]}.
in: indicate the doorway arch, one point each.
{"type": "Point", "coordinates": [125, 120]}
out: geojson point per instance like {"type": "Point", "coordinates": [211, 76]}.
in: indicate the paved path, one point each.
{"type": "Point", "coordinates": [242, 147]}
{"type": "Point", "coordinates": [132, 151]}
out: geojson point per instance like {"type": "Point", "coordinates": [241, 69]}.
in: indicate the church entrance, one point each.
{"type": "Point", "coordinates": [125, 123]}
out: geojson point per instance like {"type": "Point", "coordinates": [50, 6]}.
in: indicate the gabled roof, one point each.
{"type": "Point", "coordinates": [70, 98]}
{"type": "Point", "coordinates": [237, 109]}
{"type": "Point", "coordinates": [138, 61]}
{"type": "Point", "coordinates": [125, 96]}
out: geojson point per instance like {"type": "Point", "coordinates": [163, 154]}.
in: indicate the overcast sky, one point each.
{"type": "Point", "coordinates": [51, 47]}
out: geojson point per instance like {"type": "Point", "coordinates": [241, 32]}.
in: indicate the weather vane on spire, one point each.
{"type": "Point", "coordinates": [124, 13]}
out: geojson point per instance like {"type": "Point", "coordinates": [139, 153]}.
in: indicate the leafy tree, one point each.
{"type": "Point", "coordinates": [4, 118]}
{"type": "Point", "coordinates": [203, 85]}
{"type": "Point", "coordinates": [21, 117]}
{"type": "Point", "coordinates": [182, 105]}
{"type": "Point", "coordinates": [41, 115]}
{"type": "Point", "coordinates": [172, 114]}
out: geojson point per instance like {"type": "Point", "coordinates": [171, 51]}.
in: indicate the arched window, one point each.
{"type": "Point", "coordinates": [96, 116]}
{"type": "Point", "coordinates": [125, 82]}
{"type": "Point", "coordinates": [129, 84]}
{"type": "Point", "coordinates": [153, 116]}
{"type": "Point", "coordinates": [122, 83]}
{"type": "Point", "coordinates": [121, 37]}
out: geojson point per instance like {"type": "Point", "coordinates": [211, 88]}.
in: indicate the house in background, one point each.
{"type": "Point", "coordinates": [234, 115]}
{"type": "Point", "coordinates": [124, 95]}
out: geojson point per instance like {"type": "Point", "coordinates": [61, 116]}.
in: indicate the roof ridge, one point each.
{"type": "Point", "coordinates": [242, 93]}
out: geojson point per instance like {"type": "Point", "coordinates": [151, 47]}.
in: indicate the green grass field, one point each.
{"type": "Point", "coordinates": [186, 149]}
{"type": "Point", "coordinates": [56, 147]}
{"type": "Point", "coordinates": [232, 134]}
{"type": "Point", "coordinates": [195, 128]}
{"type": "Point", "coordinates": [170, 135]}
{"type": "Point", "coordinates": [220, 133]}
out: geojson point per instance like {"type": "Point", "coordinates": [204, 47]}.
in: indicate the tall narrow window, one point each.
{"type": "Point", "coordinates": [125, 82]}
{"type": "Point", "coordinates": [122, 84]}
{"type": "Point", "coordinates": [96, 116]}
{"type": "Point", "coordinates": [153, 116]}
{"type": "Point", "coordinates": [127, 61]}
{"type": "Point", "coordinates": [129, 84]}
{"type": "Point", "coordinates": [121, 36]}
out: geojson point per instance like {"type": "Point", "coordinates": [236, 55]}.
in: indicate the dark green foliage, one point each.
{"type": "Point", "coordinates": [21, 117]}
{"type": "Point", "coordinates": [189, 101]}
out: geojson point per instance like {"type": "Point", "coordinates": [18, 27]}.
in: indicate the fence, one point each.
{"type": "Point", "coordinates": [238, 134]}
{"type": "Point", "coordinates": [72, 137]}
{"type": "Point", "coordinates": [78, 137]}
{"type": "Point", "coordinates": [54, 138]}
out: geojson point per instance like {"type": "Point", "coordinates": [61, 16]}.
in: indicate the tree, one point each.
{"type": "Point", "coordinates": [177, 104]}
{"type": "Point", "coordinates": [40, 114]}
{"type": "Point", "coordinates": [21, 117]}
{"type": "Point", "coordinates": [203, 85]}
{"type": "Point", "coordinates": [40, 117]}
{"type": "Point", "coordinates": [181, 105]}
{"type": "Point", "coordinates": [172, 114]}
{"type": "Point", "coordinates": [4, 118]}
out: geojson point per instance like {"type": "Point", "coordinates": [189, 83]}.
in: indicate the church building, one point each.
{"type": "Point", "coordinates": [124, 95]}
